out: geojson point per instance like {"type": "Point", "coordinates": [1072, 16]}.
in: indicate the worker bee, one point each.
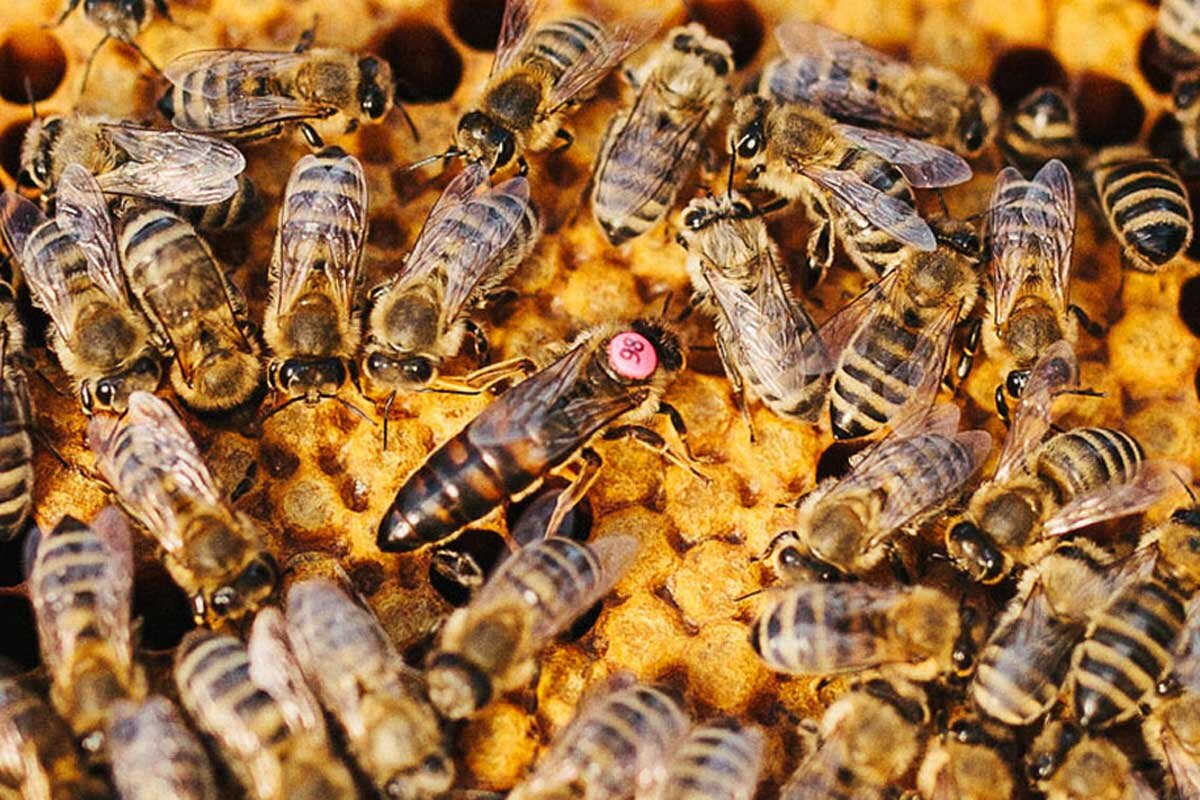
{"type": "Point", "coordinates": [251, 700]}
{"type": "Point", "coordinates": [1043, 127]}
{"type": "Point", "coordinates": [122, 20]}
{"type": "Point", "coordinates": [844, 525]}
{"type": "Point", "coordinates": [71, 267]}
{"type": "Point", "coordinates": [613, 376]}
{"type": "Point", "coordinates": [311, 325]}
{"type": "Point", "coordinates": [867, 741]}
{"type": "Point", "coordinates": [489, 646]}
{"type": "Point", "coordinates": [1172, 734]}
{"type": "Point", "coordinates": [475, 236]}
{"type": "Point", "coordinates": [38, 758]}
{"type": "Point", "coordinates": [616, 745]}
{"type": "Point", "coordinates": [254, 94]}
{"type": "Point", "coordinates": [890, 344]}
{"type": "Point", "coordinates": [16, 419]}
{"type": "Point", "coordinates": [649, 150]}
{"type": "Point", "coordinates": [852, 82]}
{"type": "Point", "coordinates": [971, 760]}
{"type": "Point", "coordinates": [1178, 31]}
{"type": "Point", "coordinates": [1127, 650]}
{"type": "Point", "coordinates": [81, 587]}
{"type": "Point", "coordinates": [1067, 764]}
{"type": "Point", "coordinates": [245, 206]}
{"type": "Point", "coordinates": [858, 179]}
{"type": "Point", "coordinates": [379, 702]}
{"type": "Point", "coordinates": [839, 628]}
{"type": "Point", "coordinates": [1185, 102]}
{"type": "Point", "coordinates": [216, 554]}
{"type": "Point", "coordinates": [1145, 204]}
{"type": "Point", "coordinates": [767, 342]}
{"type": "Point", "coordinates": [155, 755]}
{"type": "Point", "coordinates": [192, 305]}
{"type": "Point", "coordinates": [718, 761]}
{"type": "Point", "coordinates": [165, 166]}
{"type": "Point", "coordinates": [1044, 489]}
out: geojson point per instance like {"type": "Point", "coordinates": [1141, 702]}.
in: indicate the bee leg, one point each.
{"type": "Point", "coordinates": [1002, 406]}
{"type": "Point", "coordinates": [461, 569]}
{"type": "Point", "coordinates": [653, 441]}
{"type": "Point", "coordinates": [71, 6]}
{"type": "Point", "coordinates": [486, 377]}
{"type": "Point", "coordinates": [739, 387]}
{"type": "Point", "coordinates": [820, 248]}
{"type": "Point", "coordinates": [87, 69]}
{"type": "Point", "coordinates": [567, 138]}
{"type": "Point", "coordinates": [305, 42]}
{"type": "Point", "coordinates": [569, 497]}
{"type": "Point", "coordinates": [500, 296]}
{"type": "Point", "coordinates": [311, 136]}
{"type": "Point", "coordinates": [896, 562]}
{"type": "Point", "coordinates": [679, 426]}
{"type": "Point", "coordinates": [1094, 329]}
{"type": "Point", "coordinates": [387, 412]}
{"type": "Point", "coordinates": [966, 358]}
{"type": "Point", "coordinates": [628, 74]}
{"type": "Point", "coordinates": [479, 343]}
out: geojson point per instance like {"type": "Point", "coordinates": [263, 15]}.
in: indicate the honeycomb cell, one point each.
{"type": "Point", "coordinates": [163, 608]}
{"type": "Point", "coordinates": [32, 64]}
{"type": "Point", "coordinates": [1020, 70]}
{"type": "Point", "coordinates": [10, 148]}
{"type": "Point", "coordinates": [1152, 64]}
{"type": "Point", "coordinates": [18, 637]}
{"type": "Point", "coordinates": [735, 21]}
{"type": "Point", "coordinates": [476, 22]}
{"type": "Point", "coordinates": [1189, 304]}
{"type": "Point", "coordinates": [1108, 110]}
{"type": "Point", "coordinates": [483, 548]}
{"type": "Point", "coordinates": [425, 64]}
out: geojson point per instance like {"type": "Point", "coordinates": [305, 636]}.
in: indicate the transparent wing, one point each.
{"type": "Point", "coordinates": [926, 166]}
{"type": "Point", "coordinates": [19, 218]}
{"type": "Point", "coordinates": [172, 166]}
{"type": "Point", "coordinates": [1187, 648]}
{"type": "Point", "coordinates": [799, 38]}
{"type": "Point", "coordinates": [231, 108]}
{"type": "Point", "coordinates": [82, 211]}
{"type": "Point", "coordinates": [885, 212]}
{"type": "Point", "coordinates": [115, 601]}
{"type": "Point", "coordinates": [514, 27]}
{"type": "Point", "coordinates": [1153, 481]}
{"type": "Point", "coordinates": [599, 59]}
{"type": "Point", "coordinates": [1055, 178]}
{"type": "Point", "coordinates": [1055, 371]}
{"type": "Point", "coordinates": [440, 237]}
{"type": "Point", "coordinates": [1182, 763]}
{"type": "Point", "coordinates": [273, 668]}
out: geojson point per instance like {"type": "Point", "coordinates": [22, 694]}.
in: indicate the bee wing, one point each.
{"type": "Point", "coordinates": [798, 39]}
{"type": "Point", "coordinates": [1181, 762]}
{"type": "Point", "coordinates": [599, 59]}
{"type": "Point", "coordinates": [1187, 647]}
{"type": "Point", "coordinates": [273, 668]}
{"type": "Point", "coordinates": [925, 165]}
{"type": "Point", "coordinates": [232, 110]}
{"type": "Point", "coordinates": [150, 742]}
{"type": "Point", "coordinates": [440, 236]}
{"type": "Point", "coordinates": [321, 223]}
{"type": "Point", "coordinates": [1056, 179]}
{"type": "Point", "coordinates": [1054, 371]}
{"type": "Point", "coordinates": [173, 166]}
{"type": "Point", "coordinates": [885, 212]}
{"type": "Point", "coordinates": [82, 211]}
{"type": "Point", "coordinates": [112, 529]}
{"type": "Point", "coordinates": [837, 331]}
{"type": "Point", "coordinates": [514, 27]}
{"type": "Point", "coordinates": [19, 218]}
{"type": "Point", "coordinates": [1152, 482]}
{"type": "Point", "coordinates": [1035, 635]}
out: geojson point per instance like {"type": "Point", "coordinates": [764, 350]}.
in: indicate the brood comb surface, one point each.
{"type": "Point", "coordinates": [320, 479]}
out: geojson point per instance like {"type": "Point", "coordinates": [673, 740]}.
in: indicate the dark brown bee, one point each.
{"type": "Point", "coordinates": [1146, 206]}
{"type": "Point", "coordinates": [612, 374]}
{"type": "Point", "coordinates": [1043, 127]}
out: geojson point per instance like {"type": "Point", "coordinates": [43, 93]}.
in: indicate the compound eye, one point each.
{"type": "Point", "coordinates": [418, 370]}
{"type": "Point", "coordinates": [683, 43]}
{"type": "Point", "coordinates": [1015, 383]}
{"type": "Point", "coordinates": [974, 136]}
{"type": "Point", "coordinates": [222, 600]}
{"type": "Point", "coordinates": [105, 392]}
{"type": "Point", "coordinates": [694, 219]}
{"type": "Point", "coordinates": [789, 557]}
{"type": "Point", "coordinates": [749, 145]}
{"type": "Point", "coordinates": [85, 398]}
{"type": "Point", "coordinates": [508, 149]}
{"type": "Point", "coordinates": [717, 63]}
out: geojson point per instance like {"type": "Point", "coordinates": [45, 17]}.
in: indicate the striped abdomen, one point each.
{"type": "Point", "coordinates": [715, 762]}
{"type": "Point", "coordinates": [16, 453]}
{"type": "Point", "coordinates": [212, 99]}
{"type": "Point", "coordinates": [553, 576]}
{"type": "Point", "coordinates": [474, 223]}
{"type": "Point", "coordinates": [1127, 651]}
{"type": "Point", "coordinates": [28, 727]}
{"type": "Point", "coordinates": [242, 208]}
{"type": "Point", "coordinates": [1042, 128]}
{"type": "Point", "coordinates": [1147, 209]}
{"type": "Point", "coordinates": [557, 45]}
{"type": "Point", "coordinates": [52, 245]}
{"type": "Point", "coordinates": [1085, 459]}
{"type": "Point", "coordinates": [818, 628]}
{"type": "Point", "coordinates": [1179, 30]}
{"type": "Point", "coordinates": [874, 251]}
{"type": "Point", "coordinates": [155, 755]}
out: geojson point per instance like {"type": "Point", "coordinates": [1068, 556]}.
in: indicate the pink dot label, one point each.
{"type": "Point", "coordinates": [632, 355]}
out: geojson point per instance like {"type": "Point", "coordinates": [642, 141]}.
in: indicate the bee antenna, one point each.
{"type": "Point", "coordinates": [942, 202]}
{"type": "Point", "coordinates": [412, 127]}
{"type": "Point", "coordinates": [29, 95]}
{"type": "Point", "coordinates": [1178, 477]}
{"type": "Point", "coordinates": [450, 152]}
{"type": "Point", "coordinates": [732, 167]}
{"type": "Point", "coordinates": [387, 412]}
{"type": "Point", "coordinates": [666, 304]}
{"type": "Point", "coordinates": [346, 403]}
{"type": "Point", "coordinates": [743, 597]}
{"type": "Point", "coordinates": [279, 408]}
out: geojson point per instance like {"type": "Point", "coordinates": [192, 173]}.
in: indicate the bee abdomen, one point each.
{"type": "Point", "coordinates": [561, 43]}
{"type": "Point", "coordinates": [1147, 208]}
{"type": "Point", "coordinates": [813, 629]}
{"type": "Point", "coordinates": [622, 205]}
{"type": "Point", "coordinates": [1085, 459]}
{"type": "Point", "coordinates": [715, 762]}
{"type": "Point", "coordinates": [873, 381]}
{"type": "Point", "coordinates": [554, 574]}
{"type": "Point", "coordinates": [239, 210]}
{"type": "Point", "coordinates": [16, 456]}
{"type": "Point", "coordinates": [218, 668]}
{"type": "Point", "coordinates": [1016, 684]}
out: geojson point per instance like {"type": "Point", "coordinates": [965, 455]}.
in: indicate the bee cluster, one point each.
{"type": "Point", "coordinates": [350, 454]}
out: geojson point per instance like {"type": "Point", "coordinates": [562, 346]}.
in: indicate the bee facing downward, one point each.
{"type": "Point", "coordinates": [122, 20]}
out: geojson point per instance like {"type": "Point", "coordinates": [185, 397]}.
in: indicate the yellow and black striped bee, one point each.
{"type": "Point", "coordinates": [378, 701]}
{"type": "Point", "coordinates": [649, 150]}
{"type": "Point", "coordinates": [81, 588]}
{"type": "Point", "coordinates": [620, 738]}
{"type": "Point", "coordinates": [311, 322]}
{"type": "Point", "coordinates": [16, 421]}
{"type": "Point", "coordinates": [717, 761]}
{"type": "Point", "coordinates": [854, 83]}
{"type": "Point", "coordinates": [612, 377]}
{"type": "Point", "coordinates": [122, 20]}
{"type": "Point", "coordinates": [70, 264]}
{"type": "Point", "coordinates": [1146, 206]}
{"type": "Point", "coordinates": [215, 554]}
{"type": "Point", "coordinates": [970, 760]}
{"type": "Point", "coordinates": [193, 305]}
{"type": "Point", "coordinates": [252, 701]}
{"type": "Point", "coordinates": [1178, 31]}
{"type": "Point", "coordinates": [1066, 763]}
{"type": "Point", "coordinates": [489, 646]}
{"type": "Point", "coordinates": [244, 207]}
{"type": "Point", "coordinates": [1043, 127]}
{"type": "Point", "coordinates": [155, 755]}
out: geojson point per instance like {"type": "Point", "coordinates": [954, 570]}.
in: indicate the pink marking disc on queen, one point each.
{"type": "Point", "coordinates": [632, 355]}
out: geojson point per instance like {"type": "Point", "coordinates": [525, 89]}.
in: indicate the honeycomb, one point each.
{"type": "Point", "coordinates": [317, 478]}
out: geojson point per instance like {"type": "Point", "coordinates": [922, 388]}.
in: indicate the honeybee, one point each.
{"type": "Point", "coordinates": [122, 20]}
{"type": "Point", "coordinates": [251, 700]}
{"type": "Point", "coordinates": [16, 419]}
{"type": "Point", "coordinates": [868, 740]}
{"type": "Point", "coordinates": [613, 376]}
{"type": "Point", "coordinates": [155, 755]}
{"type": "Point", "coordinates": [890, 344]}
{"type": "Point", "coordinates": [1146, 206]}
{"type": "Point", "coordinates": [489, 646]}
{"type": "Point", "coordinates": [165, 166]}
{"type": "Point", "coordinates": [850, 81]}
{"type": "Point", "coordinates": [238, 212]}
{"type": "Point", "coordinates": [1185, 101]}
{"type": "Point", "coordinates": [81, 587]}
{"type": "Point", "coordinates": [1178, 31]}
{"type": "Point", "coordinates": [1172, 734]}
{"type": "Point", "coordinates": [844, 525]}
{"type": "Point", "coordinates": [839, 628]}
{"type": "Point", "coordinates": [1043, 127]}
{"type": "Point", "coordinates": [378, 701]}
{"type": "Point", "coordinates": [969, 761]}
{"type": "Point", "coordinates": [71, 266]}
{"type": "Point", "coordinates": [192, 305]}
{"type": "Point", "coordinates": [1042, 489]}
{"type": "Point", "coordinates": [311, 324]}
{"type": "Point", "coordinates": [252, 94]}
{"type": "Point", "coordinates": [38, 758]}
{"type": "Point", "coordinates": [1067, 764]}
{"type": "Point", "coordinates": [614, 747]}
{"type": "Point", "coordinates": [649, 150]}
{"type": "Point", "coordinates": [858, 178]}
{"type": "Point", "coordinates": [767, 342]}
{"type": "Point", "coordinates": [216, 554]}
{"type": "Point", "coordinates": [475, 236]}
{"type": "Point", "coordinates": [718, 761]}
{"type": "Point", "coordinates": [1127, 651]}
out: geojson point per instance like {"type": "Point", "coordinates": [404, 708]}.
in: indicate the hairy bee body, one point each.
{"type": "Point", "coordinates": [1178, 31]}
{"type": "Point", "coordinates": [718, 761]}
{"type": "Point", "coordinates": [1043, 127]}
{"type": "Point", "coordinates": [969, 761]}
{"type": "Point", "coordinates": [155, 755]}
{"type": "Point", "coordinates": [650, 149]}
{"type": "Point", "coordinates": [1068, 764]}
{"type": "Point", "coordinates": [872, 250]}
{"type": "Point", "coordinates": [16, 422]}
{"type": "Point", "coordinates": [38, 757]}
{"type": "Point", "coordinates": [1145, 204]}
{"type": "Point", "coordinates": [193, 305]}
{"type": "Point", "coordinates": [1172, 735]}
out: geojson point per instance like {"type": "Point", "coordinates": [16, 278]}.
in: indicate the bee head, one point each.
{"type": "Point", "coordinates": [1186, 91]}
{"type": "Point", "coordinates": [375, 88]}
{"type": "Point", "coordinates": [959, 236]}
{"type": "Point", "coordinates": [480, 139]}
{"type": "Point", "coordinates": [978, 121]}
{"type": "Point", "coordinates": [974, 553]}
{"type": "Point", "coordinates": [314, 378]}
{"type": "Point", "coordinates": [123, 19]}
{"type": "Point", "coordinates": [431, 776]}
{"type": "Point", "coordinates": [111, 392]}
{"type": "Point", "coordinates": [248, 590]}
{"type": "Point", "coordinates": [1051, 748]}
{"type": "Point", "coordinates": [748, 129]}
{"type": "Point", "coordinates": [412, 371]}
{"type": "Point", "coordinates": [37, 152]}
{"type": "Point", "coordinates": [457, 687]}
